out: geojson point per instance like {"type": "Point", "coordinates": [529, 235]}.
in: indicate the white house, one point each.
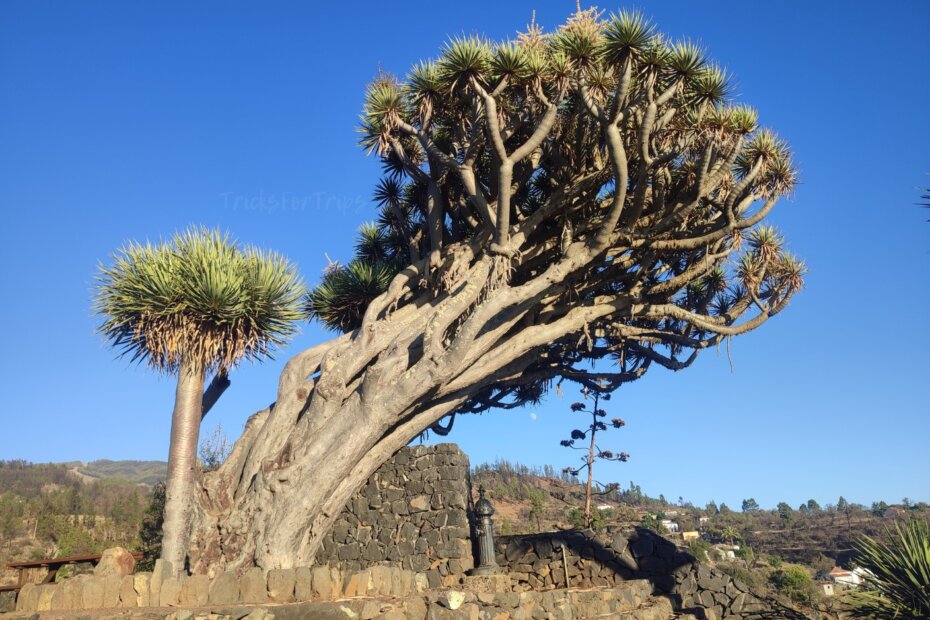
{"type": "Point", "coordinates": [849, 579]}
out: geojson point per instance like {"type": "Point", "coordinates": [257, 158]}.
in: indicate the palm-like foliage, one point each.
{"type": "Point", "coordinates": [730, 534]}
{"type": "Point", "coordinates": [346, 290]}
{"type": "Point", "coordinates": [685, 164]}
{"type": "Point", "coordinates": [198, 297]}
{"type": "Point", "coordinates": [187, 306]}
{"type": "Point", "coordinates": [898, 583]}
{"type": "Point", "coordinates": [405, 121]}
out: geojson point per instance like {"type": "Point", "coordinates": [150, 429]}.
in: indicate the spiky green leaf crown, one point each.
{"type": "Point", "coordinates": [897, 581]}
{"type": "Point", "coordinates": [198, 297]}
{"type": "Point", "coordinates": [432, 126]}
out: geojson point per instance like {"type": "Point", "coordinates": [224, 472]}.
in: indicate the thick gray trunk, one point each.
{"type": "Point", "coordinates": [279, 518]}
{"type": "Point", "coordinates": [182, 460]}
{"type": "Point", "coordinates": [347, 405]}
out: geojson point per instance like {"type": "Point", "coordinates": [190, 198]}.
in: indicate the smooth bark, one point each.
{"type": "Point", "coordinates": [182, 461]}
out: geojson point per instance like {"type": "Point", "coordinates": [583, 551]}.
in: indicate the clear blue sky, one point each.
{"type": "Point", "coordinates": [131, 120]}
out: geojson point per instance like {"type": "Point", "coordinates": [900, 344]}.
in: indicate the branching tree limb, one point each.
{"type": "Point", "coordinates": [585, 196]}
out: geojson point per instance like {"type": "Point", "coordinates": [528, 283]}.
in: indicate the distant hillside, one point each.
{"type": "Point", "coordinates": [139, 472]}
{"type": "Point", "coordinates": [755, 546]}
{"type": "Point", "coordinates": [48, 510]}
{"type": "Point", "coordinates": [56, 509]}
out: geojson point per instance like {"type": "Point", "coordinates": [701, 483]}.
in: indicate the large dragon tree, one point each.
{"type": "Point", "coordinates": [588, 195]}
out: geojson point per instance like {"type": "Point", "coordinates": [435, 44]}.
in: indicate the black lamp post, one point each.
{"type": "Point", "coordinates": [487, 564]}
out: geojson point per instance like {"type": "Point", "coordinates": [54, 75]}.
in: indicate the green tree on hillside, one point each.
{"type": "Point", "coordinates": [214, 449]}
{"type": "Point", "coordinates": [750, 505]}
{"type": "Point", "coordinates": [11, 517]}
{"type": "Point", "coordinates": [879, 508]}
{"type": "Point", "coordinates": [537, 507]}
{"type": "Point", "coordinates": [785, 513]}
{"type": "Point", "coordinates": [730, 534]}
{"type": "Point", "coordinates": [793, 581]}
{"type": "Point", "coordinates": [843, 506]}
{"type": "Point", "coordinates": [150, 531]}
{"type": "Point", "coordinates": [650, 522]}
{"type": "Point", "coordinates": [196, 304]}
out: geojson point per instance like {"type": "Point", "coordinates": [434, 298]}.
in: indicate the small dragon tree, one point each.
{"type": "Point", "coordinates": [195, 304]}
{"type": "Point", "coordinates": [593, 450]}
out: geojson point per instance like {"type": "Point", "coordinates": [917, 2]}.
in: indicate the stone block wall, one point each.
{"type": "Point", "coordinates": [611, 556]}
{"type": "Point", "coordinates": [411, 514]}
{"type": "Point", "coordinates": [252, 587]}
{"type": "Point", "coordinates": [406, 535]}
{"type": "Point", "coordinates": [384, 592]}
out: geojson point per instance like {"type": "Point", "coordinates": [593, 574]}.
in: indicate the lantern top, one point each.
{"type": "Point", "coordinates": [483, 507]}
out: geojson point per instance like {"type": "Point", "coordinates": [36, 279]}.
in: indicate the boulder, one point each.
{"type": "Point", "coordinates": [62, 598]}
{"type": "Point", "coordinates": [415, 608]}
{"type": "Point", "coordinates": [452, 599]}
{"type": "Point", "coordinates": [487, 583]}
{"type": "Point", "coordinates": [74, 591]}
{"type": "Point", "coordinates": [351, 586]}
{"type": "Point", "coordinates": [419, 503]}
{"type": "Point", "coordinates": [163, 570]}
{"type": "Point", "coordinates": [115, 561]}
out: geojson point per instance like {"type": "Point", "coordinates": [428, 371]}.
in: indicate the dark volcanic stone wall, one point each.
{"type": "Point", "coordinates": [412, 514]}
{"type": "Point", "coordinates": [610, 556]}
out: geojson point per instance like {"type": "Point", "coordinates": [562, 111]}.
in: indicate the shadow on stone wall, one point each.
{"type": "Point", "coordinates": [610, 556]}
{"type": "Point", "coordinates": [412, 514]}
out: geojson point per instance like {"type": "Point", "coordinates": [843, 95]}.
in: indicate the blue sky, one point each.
{"type": "Point", "coordinates": [127, 121]}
